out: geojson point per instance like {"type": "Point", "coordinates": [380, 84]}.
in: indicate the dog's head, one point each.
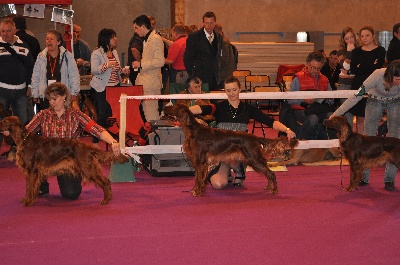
{"type": "Point", "coordinates": [340, 125]}
{"type": "Point", "coordinates": [13, 125]}
{"type": "Point", "coordinates": [278, 147]}
{"type": "Point", "coordinates": [182, 113]}
{"type": "Point", "coordinates": [10, 124]}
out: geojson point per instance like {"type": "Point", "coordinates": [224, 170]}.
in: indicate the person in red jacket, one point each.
{"type": "Point", "coordinates": [310, 112]}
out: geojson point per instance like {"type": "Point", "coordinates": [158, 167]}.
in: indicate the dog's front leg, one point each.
{"type": "Point", "coordinates": [354, 172]}
{"type": "Point", "coordinates": [272, 186]}
{"type": "Point", "coordinates": [199, 185]}
{"type": "Point", "coordinates": [32, 189]}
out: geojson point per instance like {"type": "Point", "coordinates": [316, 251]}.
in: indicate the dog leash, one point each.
{"type": "Point", "coordinates": [341, 172]}
{"type": "Point", "coordinates": [187, 162]}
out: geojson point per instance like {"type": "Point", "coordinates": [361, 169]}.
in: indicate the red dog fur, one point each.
{"type": "Point", "coordinates": [206, 146]}
{"type": "Point", "coordinates": [298, 156]}
{"type": "Point", "coordinates": [39, 157]}
{"type": "Point", "coordinates": [363, 152]}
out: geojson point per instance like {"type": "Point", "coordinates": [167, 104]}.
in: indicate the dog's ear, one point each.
{"type": "Point", "coordinates": [343, 130]}
{"type": "Point", "coordinates": [13, 123]}
{"type": "Point", "coordinates": [293, 143]}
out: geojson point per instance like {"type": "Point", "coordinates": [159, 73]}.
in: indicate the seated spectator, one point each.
{"type": "Point", "coordinates": [310, 112]}
{"type": "Point", "coordinates": [193, 86]}
{"type": "Point", "coordinates": [331, 69]}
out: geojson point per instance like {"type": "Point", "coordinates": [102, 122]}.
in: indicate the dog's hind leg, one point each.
{"type": "Point", "coordinates": [94, 174]}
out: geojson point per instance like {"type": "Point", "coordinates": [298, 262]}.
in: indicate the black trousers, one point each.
{"type": "Point", "coordinates": [70, 187]}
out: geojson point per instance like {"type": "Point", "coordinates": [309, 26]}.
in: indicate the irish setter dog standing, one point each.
{"type": "Point", "coordinates": [363, 152]}
{"type": "Point", "coordinates": [206, 146]}
{"type": "Point", "coordinates": [39, 157]}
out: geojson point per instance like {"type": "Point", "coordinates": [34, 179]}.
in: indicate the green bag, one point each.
{"type": "Point", "coordinates": [122, 172]}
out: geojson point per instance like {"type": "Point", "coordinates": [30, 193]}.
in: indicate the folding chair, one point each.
{"type": "Point", "coordinates": [241, 74]}
{"type": "Point", "coordinates": [269, 105]}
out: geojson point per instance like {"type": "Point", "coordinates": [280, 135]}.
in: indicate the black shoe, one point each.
{"type": "Point", "coordinates": [389, 186]}
{"type": "Point", "coordinates": [43, 189]}
{"type": "Point", "coordinates": [43, 193]}
{"type": "Point", "coordinates": [240, 176]}
{"type": "Point", "coordinates": [363, 183]}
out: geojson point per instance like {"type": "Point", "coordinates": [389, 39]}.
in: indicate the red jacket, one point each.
{"type": "Point", "coordinates": [308, 82]}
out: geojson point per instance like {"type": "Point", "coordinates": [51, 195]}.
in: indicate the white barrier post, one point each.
{"type": "Point", "coordinates": [122, 125]}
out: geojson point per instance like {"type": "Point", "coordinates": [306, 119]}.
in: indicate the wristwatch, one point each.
{"type": "Point", "coordinates": [287, 129]}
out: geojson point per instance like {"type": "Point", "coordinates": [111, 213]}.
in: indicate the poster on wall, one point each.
{"type": "Point", "coordinates": [33, 10]}
{"type": "Point", "coordinates": [7, 9]}
{"type": "Point", "coordinates": [61, 15]}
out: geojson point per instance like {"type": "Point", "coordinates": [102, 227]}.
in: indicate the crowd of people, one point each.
{"type": "Point", "coordinates": [193, 57]}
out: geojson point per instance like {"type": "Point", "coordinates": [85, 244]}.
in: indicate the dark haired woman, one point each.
{"type": "Point", "coordinates": [234, 114]}
{"type": "Point", "coordinates": [383, 87]}
{"type": "Point", "coordinates": [106, 70]}
{"type": "Point", "coordinates": [54, 64]}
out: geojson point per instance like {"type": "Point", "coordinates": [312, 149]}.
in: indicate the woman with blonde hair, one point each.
{"type": "Point", "coordinates": [365, 60]}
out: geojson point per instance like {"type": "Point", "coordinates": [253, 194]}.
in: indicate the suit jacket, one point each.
{"type": "Point", "coordinates": [152, 60]}
{"type": "Point", "coordinates": [202, 59]}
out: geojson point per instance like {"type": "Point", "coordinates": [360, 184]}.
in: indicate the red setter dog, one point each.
{"type": "Point", "coordinates": [363, 152]}
{"type": "Point", "coordinates": [298, 156]}
{"type": "Point", "coordinates": [206, 146]}
{"type": "Point", "coordinates": [39, 157]}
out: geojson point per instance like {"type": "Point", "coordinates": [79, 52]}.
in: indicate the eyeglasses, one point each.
{"type": "Point", "coordinates": [315, 68]}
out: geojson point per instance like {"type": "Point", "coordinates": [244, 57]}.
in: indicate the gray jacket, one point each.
{"type": "Point", "coordinates": [69, 73]}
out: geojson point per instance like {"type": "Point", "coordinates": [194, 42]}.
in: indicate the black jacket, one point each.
{"type": "Point", "coordinates": [202, 59]}
{"type": "Point", "coordinates": [15, 70]}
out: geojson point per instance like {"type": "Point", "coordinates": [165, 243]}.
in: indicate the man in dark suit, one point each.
{"type": "Point", "coordinates": [203, 49]}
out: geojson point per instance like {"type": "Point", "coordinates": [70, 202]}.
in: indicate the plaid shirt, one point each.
{"type": "Point", "coordinates": [69, 125]}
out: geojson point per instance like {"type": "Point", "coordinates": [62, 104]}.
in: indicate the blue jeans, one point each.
{"type": "Point", "coordinates": [18, 100]}
{"type": "Point", "coordinates": [373, 115]}
{"type": "Point", "coordinates": [309, 124]}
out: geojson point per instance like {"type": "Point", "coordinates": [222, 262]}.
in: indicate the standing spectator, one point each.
{"type": "Point", "coordinates": [34, 48]}
{"type": "Point", "coordinates": [347, 43]}
{"type": "Point", "coordinates": [152, 60]}
{"type": "Point", "coordinates": [165, 68]}
{"type": "Point", "coordinates": [81, 49]}
{"type": "Point", "coordinates": [106, 70]}
{"type": "Point", "coordinates": [310, 112]}
{"type": "Point", "coordinates": [203, 48]}
{"type": "Point", "coordinates": [16, 65]}
{"type": "Point", "coordinates": [227, 62]}
{"type": "Point", "coordinates": [365, 60]}
{"type": "Point", "coordinates": [31, 41]}
{"type": "Point", "coordinates": [393, 52]}
{"type": "Point", "coordinates": [176, 50]}
{"type": "Point", "coordinates": [331, 69]}
{"type": "Point", "coordinates": [135, 50]}
{"type": "Point", "coordinates": [54, 64]}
